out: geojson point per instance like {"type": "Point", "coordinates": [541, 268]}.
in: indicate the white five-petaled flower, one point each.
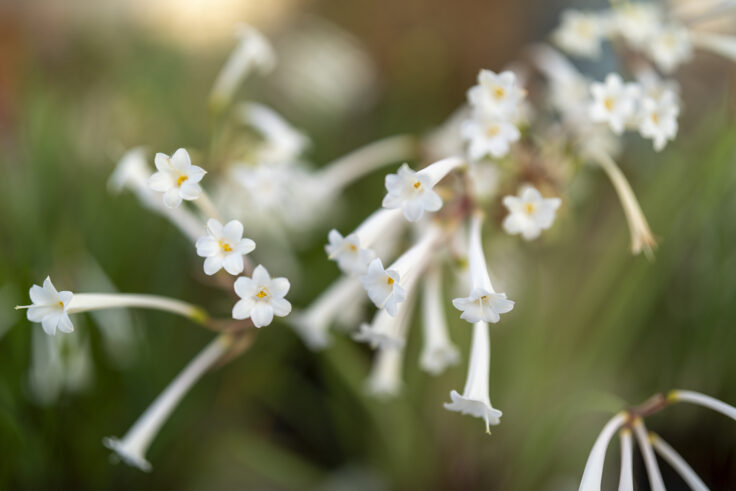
{"type": "Point", "coordinates": [49, 308]}
{"type": "Point", "coordinates": [489, 136]}
{"type": "Point", "coordinates": [177, 178]}
{"type": "Point", "coordinates": [224, 246]}
{"type": "Point", "coordinates": [262, 297]}
{"type": "Point", "coordinates": [496, 95]}
{"type": "Point", "coordinates": [637, 22]}
{"type": "Point", "coordinates": [413, 191]}
{"type": "Point", "coordinates": [580, 33]}
{"type": "Point", "coordinates": [483, 303]}
{"type": "Point", "coordinates": [614, 102]}
{"type": "Point", "coordinates": [529, 213]}
{"type": "Point", "coordinates": [670, 47]}
{"type": "Point", "coordinates": [347, 251]}
{"type": "Point", "coordinates": [382, 287]}
{"type": "Point", "coordinates": [658, 118]}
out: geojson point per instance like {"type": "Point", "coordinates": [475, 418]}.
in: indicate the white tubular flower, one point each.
{"type": "Point", "coordinates": [412, 191]}
{"type": "Point", "coordinates": [489, 136]}
{"type": "Point", "coordinates": [313, 323]}
{"type": "Point", "coordinates": [438, 352]}
{"type": "Point", "coordinates": [261, 297]}
{"type": "Point", "coordinates": [133, 446]}
{"type": "Point", "coordinates": [614, 102]}
{"type": "Point", "coordinates": [177, 178]}
{"type": "Point", "coordinates": [702, 400]}
{"type": "Point", "coordinates": [384, 286]}
{"type": "Point", "coordinates": [658, 119]}
{"type": "Point", "coordinates": [225, 247]}
{"type": "Point", "coordinates": [529, 213]}
{"type": "Point", "coordinates": [720, 44]}
{"type": "Point", "coordinates": [637, 22]}
{"type": "Point", "coordinates": [496, 95]}
{"type": "Point", "coordinates": [284, 143]}
{"type": "Point", "coordinates": [593, 472]}
{"type": "Point", "coordinates": [483, 303]}
{"type": "Point", "coordinates": [670, 47]}
{"type": "Point", "coordinates": [626, 478]}
{"type": "Point", "coordinates": [384, 380]}
{"type": "Point", "coordinates": [650, 460]}
{"type": "Point", "coordinates": [347, 251]}
{"type": "Point", "coordinates": [641, 235]}
{"type": "Point", "coordinates": [677, 462]}
{"type": "Point", "coordinates": [580, 33]}
{"type": "Point", "coordinates": [475, 399]}
{"type": "Point", "coordinates": [50, 308]}
{"type": "Point", "coordinates": [252, 53]}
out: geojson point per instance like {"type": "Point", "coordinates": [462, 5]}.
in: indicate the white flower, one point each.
{"type": "Point", "coordinates": [720, 44]}
{"type": "Point", "coordinates": [283, 142]}
{"type": "Point", "coordinates": [261, 297]}
{"type": "Point", "coordinates": [594, 466]}
{"type": "Point", "coordinates": [475, 399]}
{"type": "Point", "coordinates": [637, 22]}
{"type": "Point", "coordinates": [133, 446]}
{"type": "Point", "coordinates": [670, 47]}
{"type": "Point", "coordinates": [382, 287]}
{"type": "Point", "coordinates": [177, 178]}
{"type": "Point", "coordinates": [252, 53]}
{"type": "Point", "coordinates": [266, 184]}
{"type": "Point", "coordinates": [580, 33]}
{"type": "Point", "coordinates": [650, 460]}
{"type": "Point", "coordinates": [384, 380]}
{"type": "Point", "coordinates": [50, 308]}
{"type": "Point", "coordinates": [626, 476]}
{"type": "Point", "coordinates": [483, 303]}
{"type": "Point", "coordinates": [489, 136]}
{"type": "Point", "coordinates": [659, 119]}
{"type": "Point", "coordinates": [413, 191]}
{"type": "Point", "coordinates": [438, 352]}
{"type": "Point", "coordinates": [529, 213]}
{"type": "Point", "coordinates": [496, 95]}
{"type": "Point", "coordinates": [702, 400]}
{"type": "Point", "coordinates": [347, 251]}
{"type": "Point", "coordinates": [224, 247]}
{"type": "Point", "coordinates": [614, 102]}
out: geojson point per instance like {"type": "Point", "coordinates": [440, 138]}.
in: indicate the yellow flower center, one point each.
{"type": "Point", "coordinates": [182, 179]}
{"type": "Point", "coordinates": [417, 184]}
{"type": "Point", "coordinates": [226, 247]}
{"type": "Point", "coordinates": [61, 304]}
{"type": "Point", "coordinates": [655, 118]}
{"type": "Point", "coordinates": [262, 293]}
{"type": "Point", "coordinates": [390, 281]}
{"type": "Point", "coordinates": [352, 247]}
{"type": "Point", "coordinates": [493, 130]}
{"type": "Point", "coordinates": [499, 92]}
{"type": "Point", "coordinates": [609, 103]}
{"type": "Point", "coordinates": [529, 208]}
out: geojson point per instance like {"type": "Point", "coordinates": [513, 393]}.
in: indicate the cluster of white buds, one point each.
{"type": "Point", "coordinates": [632, 420]}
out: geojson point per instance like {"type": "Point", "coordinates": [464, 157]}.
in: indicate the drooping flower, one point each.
{"type": "Point", "coordinates": [580, 33]}
{"type": "Point", "coordinates": [177, 178]}
{"type": "Point", "coordinates": [670, 47]}
{"type": "Point", "coordinates": [224, 247]}
{"type": "Point", "coordinates": [438, 352]}
{"type": "Point", "coordinates": [413, 191]}
{"type": "Point", "coordinates": [483, 303]}
{"type": "Point", "coordinates": [529, 213]}
{"type": "Point", "coordinates": [658, 119]}
{"type": "Point", "coordinates": [489, 136]}
{"type": "Point", "coordinates": [475, 399]}
{"type": "Point", "coordinates": [384, 381]}
{"type": "Point", "coordinates": [496, 95]}
{"type": "Point", "coordinates": [50, 308]}
{"type": "Point", "coordinates": [262, 297]}
{"type": "Point", "coordinates": [614, 102]}
{"type": "Point", "coordinates": [594, 466]}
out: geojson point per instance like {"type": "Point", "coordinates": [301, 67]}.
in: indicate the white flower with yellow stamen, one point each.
{"type": "Point", "coordinates": [489, 136]}
{"type": "Point", "coordinates": [496, 95]}
{"type": "Point", "coordinates": [670, 47]}
{"type": "Point", "coordinates": [483, 303]}
{"type": "Point", "coordinates": [224, 247]}
{"type": "Point", "coordinates": [580, 33]}
{"type": "Point", "coordinates": [262, 297]}
{"type": "Point", "coordinates": [50, 308]}
{"type": "Point", "coordinates": [413, 191]}
{"type": "Point", "coordinates": [658, 119]}
{"type": "Point", "coordinates": [637, 23]}
{"type": "Point", "coordinates": [177, 178]}
{"type": "Point", "coordinates": [529, 213]}
{"type": "Point", "coordinates": [347, 251]}
{"type": "Point", "coordinates": [614, 102]}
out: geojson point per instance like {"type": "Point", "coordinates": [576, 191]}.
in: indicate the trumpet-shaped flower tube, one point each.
{"type": "Point", "coordinates": [594, 466]}
{"type": "Point", "coordinates": [702, 400]}
{"type": "Point", "coordinates": [626, 477]}
{"type": "Point", "coordinates": [438, 352]}
{"type": "Point", "coordinates": [650, 460]}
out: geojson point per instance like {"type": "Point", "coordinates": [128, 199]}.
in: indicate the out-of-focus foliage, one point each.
{"type": "Point", "coordinates": [592, 323]}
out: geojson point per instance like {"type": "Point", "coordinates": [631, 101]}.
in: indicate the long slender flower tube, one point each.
{"type": "Point", "coordinates": [483, 303]}
{"type": "Point", "coordinates": [702, 400]}
{"type": "Point", "coordinates": [650, 460]}
{"type": "Point", "coordinates": [438, 351]}
{"type": "Point", "coordinates": [413, 192]}
{"type": "Point", "coordinates": [384, 286]}
{"type": "Point", "coordinates": [347, 169]}
{"type": "Point", "coordinates": [385, 381]}
{"type": "Point", "coordinates": [641, 235]}
{"type": "Point", "coordinates": [594, 466]}
{"type": "Point", "coordinates": [626, 478]}
{"type": "Point", "coordinates": [719, 44]}
{"type": "Point", "coordinates": [475, 399]}
{"type": "Point", "coordinates": [132, 173]}
{"type": "Point", "coordinates": [677, 462]}
{"type": "Point", "coordinates": [283, 142]}
{"type": "Point", "coordinates": [313, 323]}
{"type": "Point", "coordinates": [354, 252]}
{"type": "Point", "coordinates": [132, 448]}
{"type": "Point", "coordinates": [52, 308]}
{"type": "Point", "coordinates": [253, 53]}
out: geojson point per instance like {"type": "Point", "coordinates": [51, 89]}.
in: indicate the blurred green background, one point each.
{"type": "Point", "coordinates": [82, 82]}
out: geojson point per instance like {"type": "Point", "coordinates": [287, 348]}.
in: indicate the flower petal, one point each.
{"type": "Point", "coordinates": [180, 160]}
{"type": "Point", "coordinates": [213, 264]}
{"type": "Point", "coordinates": [243, 308]}
{"type": "Point", "coordinates": [233, 231]}
{"type": "Point", "coordinates": [172, 199]}
{"type": "Point", "coordinates": [207, 246]}
{"type": "Point", "coordinates": [279, 287]}
{"type": "Point", "coordinates": [233, 263]}
{"type": "Point", "coordinates": [281, 307]}
{"type": "Point", "coordinates": [262, 314]}
{"type": "Point", "coordinates": [190, 190]}
{"type": "Point", "coordinates": [160, 181]}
